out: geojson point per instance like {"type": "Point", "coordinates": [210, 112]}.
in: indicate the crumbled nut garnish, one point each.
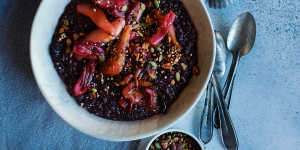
{"type": "Point", "coordinates": [167, 66]}
{"type": "Point", "coordinates": [140, 34]}
{"type": "Point", "coordinates": [173, 82]}
{"type": "Point", "coordinates": [106, 90]}
{"type": "Point", "coordinates": [145, 45]}
{"type": "Point", "coordinates": [101, 77]}
{"type": "Point", "coordinates": [62, 36]}
{"type": "Point", "coordinates": [61, 30]}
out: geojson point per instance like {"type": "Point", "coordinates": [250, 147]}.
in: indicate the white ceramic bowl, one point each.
{"type": "Point", "coordinates": [55, 92]}
{"type": "Point", "coordinates": [174, 130]}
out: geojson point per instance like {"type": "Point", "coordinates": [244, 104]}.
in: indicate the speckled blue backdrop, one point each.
{"type": "Point", "coordinates": [265, 106]}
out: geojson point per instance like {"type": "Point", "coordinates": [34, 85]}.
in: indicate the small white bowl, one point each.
{"type": "Point", "coordinates": [56, 95]}
{"type": "Point", "coordinates": [172, 130]}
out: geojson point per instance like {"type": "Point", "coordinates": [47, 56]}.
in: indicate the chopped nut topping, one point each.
{"type": "Point", "coordinates": [173, 82]}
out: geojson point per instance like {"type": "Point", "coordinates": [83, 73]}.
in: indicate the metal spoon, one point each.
{"type": "Point", "coordinates": [228, 134]}
{"type": "Point", "coordinates": [240, 41]}
{"type": "Point", "coordinates": [206, 122]}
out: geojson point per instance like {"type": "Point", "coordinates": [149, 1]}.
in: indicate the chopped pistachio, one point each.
{"type": "Point", "coordinates": [101, 58]}
{"type": "Point", "coordinates": [184, 66]}
{"type": "Point", "coordinates": [94, 90]}
{"type": "Point", "coordinates": [177, 76]}
{"type": "Point", "coordinates": [156, 3]}
{"type": "Point", "coordinates": [154, 65]}
{"type": "Point", "coordinates": [152, 50]}
{"type": "Point", "coordinates": [157, 145]}
{"type": "Point", "coordinates": [158, 48]}
{"type": "Point", "coordinates": [169, 137]}
{"type": "Point", "coordinates": [124, 8]}
{"type": "Point", "coordinates": [143, 6]}
{"type": "Point", "coordinates": [66, 22]}
{"type": "Point", "coordinates": [160, 58]}
{"type": "Point", "coordinates": [152, 75]}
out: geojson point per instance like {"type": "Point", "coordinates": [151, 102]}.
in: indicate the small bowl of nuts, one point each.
{"type": "Point", "coordinates": [174, 139]}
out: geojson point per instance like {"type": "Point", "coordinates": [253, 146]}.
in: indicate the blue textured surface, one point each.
{"type": "Point", "coordinates": [265, 105]}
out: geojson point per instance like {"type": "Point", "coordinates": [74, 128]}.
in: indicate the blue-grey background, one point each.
{"type": "Point", "coordinates": [265, 106]}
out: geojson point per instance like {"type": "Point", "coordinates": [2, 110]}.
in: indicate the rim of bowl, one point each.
{"type": "Point", "coordinates": [133, 137]}
{"type": "Point", "coordinates": [175, 130]}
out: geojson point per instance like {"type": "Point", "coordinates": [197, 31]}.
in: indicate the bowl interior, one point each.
{"type": "Point", "coordinates": [55, 93]}
{"type": "Point", "coordinates": [174, 130]}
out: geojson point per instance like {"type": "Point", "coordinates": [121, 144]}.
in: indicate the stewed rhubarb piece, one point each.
{"type": "Point", "coordinates": [99, 18]}
{"type": "Point", "coordinates": [172, 35]}
{"type": "Point", "coordinates": [88, 50]}
{"type": "Point", "coordinates": [165, 24]}
{"type": "Point", "coordinates": [133, 94]}
{"type": "Point", "coordinates": [86, 77]}
{"type": "Point", "coordinates": [136, 12]}
{"type": "Point", "coordinates": [99, 35]}
{"type": "Point", "coordinates": [152, 99]}
{"type": "Point", "coordinates": [115, 64]}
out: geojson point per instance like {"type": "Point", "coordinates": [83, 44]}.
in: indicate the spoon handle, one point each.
{"type": "Point", "coordinates": [232, 73]}
{"type": "Point", "coordinates": [228, 86]}
{"type": "Point", "coordinates": [206, 122]}
{"type": "Point", "coordinates": [228, 134]}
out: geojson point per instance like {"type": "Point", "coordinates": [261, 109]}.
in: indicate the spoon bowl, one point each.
{"type": "Point", "coordinates": [242, 34]}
